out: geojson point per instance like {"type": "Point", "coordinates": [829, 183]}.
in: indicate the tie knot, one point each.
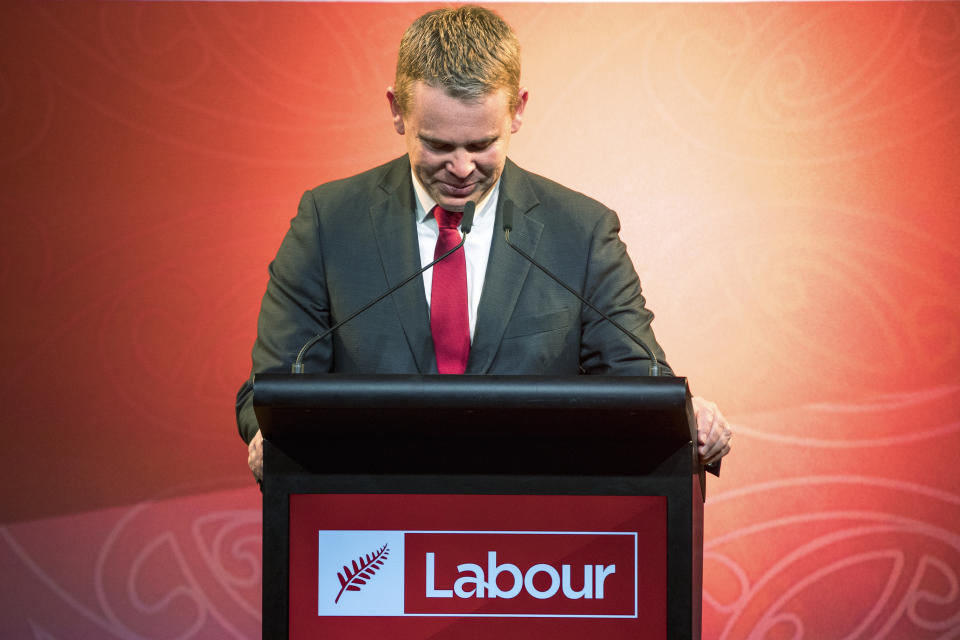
{"type": "Point", "coordinates": [447, 219]}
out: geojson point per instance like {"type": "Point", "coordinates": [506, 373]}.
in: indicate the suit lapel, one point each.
{"type": "Point", "coordinates": [506, 271]}
{"type": "Point", "coordinates": [396, 235]}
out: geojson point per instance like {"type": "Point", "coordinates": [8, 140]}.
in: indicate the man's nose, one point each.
{"type": "Point", "coordinates": [461, 163]}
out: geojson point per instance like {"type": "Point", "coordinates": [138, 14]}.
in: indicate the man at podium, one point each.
{"type": "Point", "coordinates": [484, 308]}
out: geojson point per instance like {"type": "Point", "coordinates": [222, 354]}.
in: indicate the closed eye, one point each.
{"type": "Point", "coordinates": [436, 145]}
{"type": "Point", "coordinates": [480, 146]}
{"type": "Point", "coordinates": [441, 146]}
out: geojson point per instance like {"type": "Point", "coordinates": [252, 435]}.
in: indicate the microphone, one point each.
{"type": "Point", "coordinates": [466, 223]}
{"type": "Point", "coordinates": [508, 226]}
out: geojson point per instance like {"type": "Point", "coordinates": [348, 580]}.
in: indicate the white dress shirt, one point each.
{"type": "Point", "coordinates": [477, 246]}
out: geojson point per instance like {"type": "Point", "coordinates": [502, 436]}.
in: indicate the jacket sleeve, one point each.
{"type": "Point", "coordinates": [612, 285]}
{"type": "Point", "coordinates": [294, 309]}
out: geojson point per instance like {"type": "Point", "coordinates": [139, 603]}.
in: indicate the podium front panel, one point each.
{"type": "Point", "coordinates": [411, 566]}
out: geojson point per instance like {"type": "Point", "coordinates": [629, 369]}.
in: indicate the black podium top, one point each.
{"type": "Point", "coordinates": [620, 423]}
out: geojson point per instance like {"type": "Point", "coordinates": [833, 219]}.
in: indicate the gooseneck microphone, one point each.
{"type": "Point", "coordinates": [466, 223]}
{"type": "Point", "coordinates": [508, 226]}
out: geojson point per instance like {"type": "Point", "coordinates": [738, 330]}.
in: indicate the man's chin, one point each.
{"type": "Point", "coordinates": [453, 203]}
{"type": "Point", "coordinates": [457, 201]}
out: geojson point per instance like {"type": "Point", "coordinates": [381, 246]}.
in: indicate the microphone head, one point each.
{"type": "Point", "coordinates": [508, 215]}
{"type": "Point", "coordinates": [466, 222]}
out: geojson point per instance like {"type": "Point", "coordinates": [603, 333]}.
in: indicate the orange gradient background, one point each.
{"type": "Point", "coordinates": [787, 180]}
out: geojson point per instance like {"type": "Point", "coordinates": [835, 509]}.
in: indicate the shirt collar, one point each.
{"type": "Point", "coordinates": [484, 214]}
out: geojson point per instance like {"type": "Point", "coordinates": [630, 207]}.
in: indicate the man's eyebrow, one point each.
{"type": "Point", "coordinates": [434, 141]}
{"type": "Point", "coordinates": [445, 143]}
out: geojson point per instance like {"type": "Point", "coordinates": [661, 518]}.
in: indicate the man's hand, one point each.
{"type": "Point", "coordinates": [255, 456]}
{"type": "Point", "coordinates": [713, 431]}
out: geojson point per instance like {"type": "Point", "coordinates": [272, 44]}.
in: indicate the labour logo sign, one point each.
{"type": "Point", "coordinates": [546, 574]}
{"type": "Point", "coordinates": [484, 567]}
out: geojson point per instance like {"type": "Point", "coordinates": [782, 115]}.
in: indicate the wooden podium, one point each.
{"type": "Point", "coordinates": [442, 456]}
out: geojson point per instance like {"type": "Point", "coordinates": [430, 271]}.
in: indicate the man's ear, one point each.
{"type": "Point", "coordinates": [395, 111]}
{"type": "Point", "coordinates": [522, 97]}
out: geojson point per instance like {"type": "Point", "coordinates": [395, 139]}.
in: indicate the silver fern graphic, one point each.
{"type": "Point", "coordinates": [363, 569]}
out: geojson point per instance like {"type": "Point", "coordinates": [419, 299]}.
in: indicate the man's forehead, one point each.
{"type": "Point", "coordinates": [438, 115]}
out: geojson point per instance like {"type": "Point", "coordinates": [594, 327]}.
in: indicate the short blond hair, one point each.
{"type": "Point", "coordinates": [469, 52]}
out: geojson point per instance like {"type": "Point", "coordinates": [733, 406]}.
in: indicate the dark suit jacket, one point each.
{"type": "Point", "coordinates": [354, 238]}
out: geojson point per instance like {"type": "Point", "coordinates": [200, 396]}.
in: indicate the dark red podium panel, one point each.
{"type": "Point", "coordinates": [477, 566]}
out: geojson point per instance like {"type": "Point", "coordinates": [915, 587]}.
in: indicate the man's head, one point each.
{"type": "Point", "coordinates": [457, 101]}
{"type": "Point", "coordinates": [468, 52]}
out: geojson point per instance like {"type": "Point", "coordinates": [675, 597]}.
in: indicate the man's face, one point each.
{"type": "Point", "coordinates": [457, 148]}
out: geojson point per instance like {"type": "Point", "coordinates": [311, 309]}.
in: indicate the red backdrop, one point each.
{"type": "Point", "coordinates": [787, 179]}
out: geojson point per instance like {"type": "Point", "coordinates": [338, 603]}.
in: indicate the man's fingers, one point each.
{"type": "Point", "coordinates": [255, 456]}
{"type": "Point", "coordinates": [716, 456]}
{"type": "Point", "coordinates": [718, 449]}
{"type": "Point", "coordinates": [707, 428]}
{"type": "Point", "coordinates": [713, 432]}
{"type": "Point", "coordinates": [709, 434]}
{"type": "Point", "coordinates": [709, 423]}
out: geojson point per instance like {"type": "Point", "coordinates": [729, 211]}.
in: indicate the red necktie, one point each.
{"type": "Point", "coordinates": [449, 321]}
